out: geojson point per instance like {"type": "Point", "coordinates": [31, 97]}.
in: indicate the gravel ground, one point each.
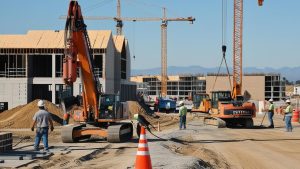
{"type": "Point", "coordinates": [197, 147]}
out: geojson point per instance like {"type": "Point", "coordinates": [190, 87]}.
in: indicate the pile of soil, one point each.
{"type": "Point", "coordinates": [164, 120]}
{"type": "Point", "coordinates": [134, 107]}
{"type": "Point", "coordinates": [21, 116]}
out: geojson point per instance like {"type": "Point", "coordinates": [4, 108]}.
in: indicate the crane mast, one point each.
{"type": "Point", "coordinates": [238, 46]}
{"type": "Point", "coordinates": [164, 64]}
{"type": "Point", "coordinates": [119, 25]}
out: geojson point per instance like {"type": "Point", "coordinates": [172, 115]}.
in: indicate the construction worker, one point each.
{"type": "Point", "coordinates": [142, 121]}
{"type": "Point", "coordinates": [271, 113]}
{"type": "Point", "coordinates": [288, 116]}
{"type": "Point", "coordinates": [41, 120]}
{"type": "Point", "coordinates": [66, 118]}
{"type": "Point", "coordinates": [182, 115]}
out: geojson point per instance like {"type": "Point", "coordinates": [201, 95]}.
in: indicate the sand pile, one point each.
{"type": "Point", "coordinates": [164, 119]}
{"type": "Point", "coordinates": [134, 107]}
{"type": "Point", "coordinates": [21, 116]}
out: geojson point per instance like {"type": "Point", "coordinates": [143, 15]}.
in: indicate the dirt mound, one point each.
{"type": "Point", "coordinates": [21, 116]}
{"type": "Point", "coordinates": [134, 107]}
{"type": "Point", "coordinates": [164, 120]}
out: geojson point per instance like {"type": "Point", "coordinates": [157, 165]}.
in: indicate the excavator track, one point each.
{"type": "Point", "coordinates": [116, 133]}
{"type": "Point", "coordinates": [119, 132]}
{"type": "Point", "coordinates": [215, 121]}
{"type": "Point", "coordinates": [67, 132]}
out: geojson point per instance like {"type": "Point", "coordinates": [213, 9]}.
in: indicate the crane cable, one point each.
{"type": "Point", "coordinates": [224, 31]}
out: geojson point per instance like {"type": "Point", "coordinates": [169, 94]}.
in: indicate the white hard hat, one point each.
{"type": "Point", "coordinates": [136, 116]}
{"type": "Point", "coordinates": [181, 103]}
{"type": "Point", "coordinates": [270, 100]}
{"type": "Point", "coordinates": [288, 101]}
{"type": "Point", "coordinates": [41, 103]}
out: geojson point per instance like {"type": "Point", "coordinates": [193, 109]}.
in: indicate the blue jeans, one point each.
{"type": "Point", "coordinates": [182, 122]}
{"type": "Point", "coordinates": [288, 123]}
{"type": "Point", "coordinates": [65, 122]}
{"type": "Point", "coordinates": [41, 132]}
{"type": "Point", "coordinates": [270, 116]}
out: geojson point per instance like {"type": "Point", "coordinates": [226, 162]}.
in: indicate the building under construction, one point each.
{"type": "Point", "coordinates": [258, 86]}
{"type": "Point", "coordinates": [31, 66]}
{"type": "Point", "coordinates": [179, 86]}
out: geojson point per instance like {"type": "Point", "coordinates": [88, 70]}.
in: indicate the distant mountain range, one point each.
{"type": "Point", "coordinates": [290, 73]}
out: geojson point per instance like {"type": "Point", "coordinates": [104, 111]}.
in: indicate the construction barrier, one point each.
{"type": "Point", "coordinates": [295, 117]}
{"type": "Point", "coordinates": [143, 160]}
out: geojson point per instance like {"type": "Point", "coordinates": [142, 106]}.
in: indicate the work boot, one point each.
{"type": "Point", "coordinates": [271, 126]}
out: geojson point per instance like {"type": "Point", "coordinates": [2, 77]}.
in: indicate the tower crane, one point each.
{"type": "Point", "coordinates": [164, 24]}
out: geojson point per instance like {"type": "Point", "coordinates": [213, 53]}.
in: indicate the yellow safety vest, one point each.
{"type": "Point", "coordinates": [288, 109]}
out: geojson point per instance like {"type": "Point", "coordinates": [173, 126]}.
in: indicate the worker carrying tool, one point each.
{"type": "Point", "coordinates": [288, 116]}
{"type": "Point", "coordinates": [182, 115]}
{"type": "Point", "coordinates": [41, 120]}
{"type": "Point", "coordinates": [143, 122]}
{"type": "Point", "coordinates": [271, 113]}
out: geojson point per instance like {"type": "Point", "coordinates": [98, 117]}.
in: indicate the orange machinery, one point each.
{"type": "Point", "coordinates": [97, 113]}
{"type": "Point", "coordinates": [229, 108]}
{"type": "Point", "coordinates": [201, 103]}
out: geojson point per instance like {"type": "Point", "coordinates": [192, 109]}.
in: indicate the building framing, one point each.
{"type": "Point", "coordinates": [31, 66]}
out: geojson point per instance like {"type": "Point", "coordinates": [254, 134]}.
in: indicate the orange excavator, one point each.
{"type": "Point", "coordinates": [97, 114]}
{"type": "Point", "coordinates": [229, 108]}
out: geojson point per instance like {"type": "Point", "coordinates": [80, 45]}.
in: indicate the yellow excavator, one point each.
{"type": "Point", "coordinates": [201, 103]}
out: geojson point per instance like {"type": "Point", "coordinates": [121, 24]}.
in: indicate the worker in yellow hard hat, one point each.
{"type": "Point", "coordinates": [288, 116]}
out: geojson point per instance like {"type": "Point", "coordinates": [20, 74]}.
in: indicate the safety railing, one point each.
{"type": "Point", "coordinates": [13, 72]}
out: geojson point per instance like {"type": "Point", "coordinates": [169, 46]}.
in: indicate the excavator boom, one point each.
{"type": "Point", "coordinates": [77, 54]}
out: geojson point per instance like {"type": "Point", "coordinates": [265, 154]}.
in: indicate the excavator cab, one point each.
{"type": "Point", "coordinates": [198, 99]}
{"type": "Point", "coordinates": [220, 96]}
{"type": "Point", "coordinates": [201, 103]}
{"type": "Point", "coordinates": [109, 106]}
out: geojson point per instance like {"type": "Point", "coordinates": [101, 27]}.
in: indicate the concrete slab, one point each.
{"type": "Point", "coordinates": [15, 163]}
{"type": "Point", "coordinates": [11, 157]}
{"type": "Point", "coordinates": [24, 154]}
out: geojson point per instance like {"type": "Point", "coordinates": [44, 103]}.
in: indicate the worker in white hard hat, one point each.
{"type": "Point", "coordinates": [182, 115]}
{"type": "Point", "coordinates": [142, 122]}
{"type": "Point", "coordinates": [271, 113]}
{"type": "Point", "coordinates": [288, 116]}
{"type": "Point", "coordinates": [41, 120]}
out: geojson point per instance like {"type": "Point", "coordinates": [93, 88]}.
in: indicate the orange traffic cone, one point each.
{"type": "Point", "coordinates": [143, 160]}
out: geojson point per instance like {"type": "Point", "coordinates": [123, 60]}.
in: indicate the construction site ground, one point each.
{"type": "Point", "coordinates": [198, 146]}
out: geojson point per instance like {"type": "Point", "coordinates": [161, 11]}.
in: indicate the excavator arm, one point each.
{"type": "Point", "coordinates": [77, 55]}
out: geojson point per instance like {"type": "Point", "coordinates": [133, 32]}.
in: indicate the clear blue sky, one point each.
{"type": "Point", "coordinates": [271, 32]}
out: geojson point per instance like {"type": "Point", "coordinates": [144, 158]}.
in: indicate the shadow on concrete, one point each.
{"type": "Point", "coordinates": [225, 141]}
